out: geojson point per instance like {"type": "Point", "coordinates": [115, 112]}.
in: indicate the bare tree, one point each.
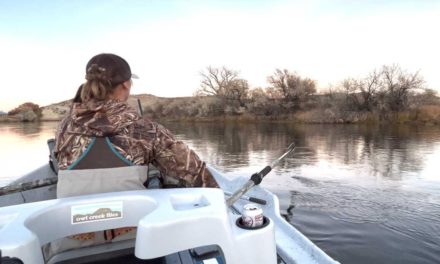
{"type": "Point", "coordinates": [387, 89]}
{"type": "Point", "coordinates": [369, 87]}
{"type": "Point", "coordinates": [361, 93]}
{"type": "Point", "coordinates": [265, 101]}
{"type": "Point", "coordinates": [273, 93]}
{"type": "Point", "coordinates": [237, 90]}
{"type": "Point", "coordinates": [350, 86]}
{"type": "Point", "coordinates": [291, 86]}
{"type": "Point", "coordinates": [397, 85]}
{"type": "Point", "coordinates": [427, 97]}
{"type": "Point", "coordinates": [225, 84]}
{"type": "Point", "coordinates": [257, 94]}
{"type": "Point", "coordinates": [216, 80]}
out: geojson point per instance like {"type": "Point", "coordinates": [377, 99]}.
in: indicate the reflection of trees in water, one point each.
{"type": "Point", "coordinates": [383, 151]}
{"type": "Point", "coordinates": [28, 128]}
{"type": "Point", "coordinates": [234, 137]}
{"type": "Point", "coordinates": [233, 142]}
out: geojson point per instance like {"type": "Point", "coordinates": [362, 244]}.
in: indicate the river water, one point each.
{"type": "Point", "coordinates": [363, 194]}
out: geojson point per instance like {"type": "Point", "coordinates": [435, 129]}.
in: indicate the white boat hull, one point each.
{"type": "Point", "coordinates": [170, 214]}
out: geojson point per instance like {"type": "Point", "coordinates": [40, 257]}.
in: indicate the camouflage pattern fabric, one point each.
{"type": "Point", "coordinates": [137, 138]}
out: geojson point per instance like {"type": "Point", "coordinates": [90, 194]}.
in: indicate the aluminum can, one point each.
{"type": "Point", "coordinates": [252, 216]}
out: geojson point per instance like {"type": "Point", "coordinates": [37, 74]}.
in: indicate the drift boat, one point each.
{"type": "Point", "coordinates": [185, 225]}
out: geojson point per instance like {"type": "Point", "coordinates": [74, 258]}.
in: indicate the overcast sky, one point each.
{"type": "Point", "coordinates": [45, 45]}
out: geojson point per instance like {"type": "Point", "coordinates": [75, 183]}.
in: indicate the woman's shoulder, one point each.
{"type": "Point", "coordinates": [147, 125]}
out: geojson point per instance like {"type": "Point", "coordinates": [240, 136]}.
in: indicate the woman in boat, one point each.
{"type": "Point", "coordinates": [104, 145]}
{"type": "Point", "coordinates": [103, 112]}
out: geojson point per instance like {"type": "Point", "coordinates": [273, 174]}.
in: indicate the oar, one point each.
{"type": "Point", "coordinates": [256, 178]}
{"type": "Point", "coordinates": [141, 111]}
{"type": "Point", "coordinates": [24, 186]}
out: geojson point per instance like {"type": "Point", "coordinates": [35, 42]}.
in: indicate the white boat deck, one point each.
{"type": "Point", "coordinates": [173, 214]}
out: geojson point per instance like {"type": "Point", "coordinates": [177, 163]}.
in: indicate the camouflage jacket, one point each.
{"type": "Point", "coordinates": [138, 139]}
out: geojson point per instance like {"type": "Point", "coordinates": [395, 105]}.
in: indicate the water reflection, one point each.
{"type": "Point", "coordinates": [233, 145]}
{"type": "Point", "coordinates": [380, 152]}
{"type": "Point", "coordinates": [26, 129]}
{"type": "Point", "coordinates": [23, 148]}
{"type": "Point", "coordinates": [356, 191]}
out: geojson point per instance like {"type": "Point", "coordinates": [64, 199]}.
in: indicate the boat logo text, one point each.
{"type": "Point", "coordinates": [96, 212]}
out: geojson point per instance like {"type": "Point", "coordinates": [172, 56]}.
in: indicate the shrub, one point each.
{"type": "Point", "coordinates": [26, 107]}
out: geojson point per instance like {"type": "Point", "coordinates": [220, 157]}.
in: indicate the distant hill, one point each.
{"type": "Point", "coordinates": [2, 113]}
{"type": "Point", "coordinates": [57, 111]}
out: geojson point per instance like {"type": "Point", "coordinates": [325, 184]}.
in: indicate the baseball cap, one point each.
{"type": "Point", "coordinates": [116, 68]}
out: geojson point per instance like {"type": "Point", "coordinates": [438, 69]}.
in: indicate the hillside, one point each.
{"type": "Point", "coordinates": [152, 106]}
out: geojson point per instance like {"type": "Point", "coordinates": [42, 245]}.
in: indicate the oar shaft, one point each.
{"type": "Point", "coordinates": [20, 187]}
{"type": "Point", "coordinates": [289, 149]}
{"type": "Point", "coordinates": [141, 110]}
{"type": "Point", "coordinates": [256, 178]}
{"type": "Point", "coordinates": [235, 196]}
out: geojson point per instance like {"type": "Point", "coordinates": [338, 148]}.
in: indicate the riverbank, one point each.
{"type": "Point", "coordinates": [425, 115]}
{"type": "Point", "coordinates": [212, 109]}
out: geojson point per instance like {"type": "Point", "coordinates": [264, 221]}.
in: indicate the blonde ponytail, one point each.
{"type": "Point", "coordinates": [98, 84]}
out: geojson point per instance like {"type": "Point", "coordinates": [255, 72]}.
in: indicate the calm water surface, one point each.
{"type": "Point", "coordinates": [363, 194]}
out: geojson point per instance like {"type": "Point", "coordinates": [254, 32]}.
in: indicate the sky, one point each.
{"type": "Point", "coordinates": [45, 45]}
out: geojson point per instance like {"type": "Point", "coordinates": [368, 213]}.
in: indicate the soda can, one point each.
{"type": "Point", "coordinates": [252, 216]}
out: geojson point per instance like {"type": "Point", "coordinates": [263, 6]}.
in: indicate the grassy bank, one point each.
{"type": "Point", "coordinates": [213, 109]}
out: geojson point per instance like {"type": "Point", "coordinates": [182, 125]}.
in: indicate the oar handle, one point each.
{"type": "Point", "coordinates": [257, 200]}
{"type": "Point", "coordinates": [256, 178]}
